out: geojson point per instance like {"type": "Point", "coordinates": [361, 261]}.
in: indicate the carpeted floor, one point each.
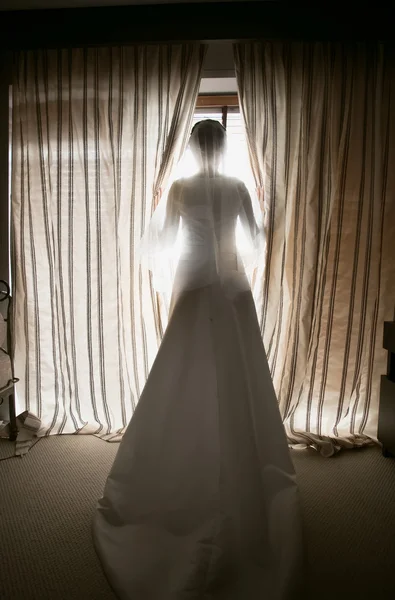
{"type": "Point", "coordinates": [47, 500]}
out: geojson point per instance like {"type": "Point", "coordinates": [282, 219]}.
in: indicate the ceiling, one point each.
{"type": "Point", "coordinates": [39, 4]}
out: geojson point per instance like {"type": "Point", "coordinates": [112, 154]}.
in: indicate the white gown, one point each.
{"type": "Point", "coordinates": [201, 502]}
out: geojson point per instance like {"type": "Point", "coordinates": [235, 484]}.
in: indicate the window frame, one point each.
{"type": "Point", "coordinates": [221, 101]}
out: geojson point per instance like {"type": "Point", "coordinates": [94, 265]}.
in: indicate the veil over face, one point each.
{"type": "Point", "coordinates": [191, 240]}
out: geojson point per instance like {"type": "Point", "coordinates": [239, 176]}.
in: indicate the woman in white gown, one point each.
{"type": "Point", "coordinates": [201, 502]}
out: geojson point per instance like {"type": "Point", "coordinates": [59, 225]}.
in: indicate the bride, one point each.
{"type": "Point", "coordinates": [201, 501]}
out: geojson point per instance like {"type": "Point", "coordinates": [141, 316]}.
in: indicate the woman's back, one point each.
{"type": "Point", "coordinates": [209, 208]}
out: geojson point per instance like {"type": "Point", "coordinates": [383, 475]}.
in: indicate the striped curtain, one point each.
{"type": "Point", "coordinates": [96, 134]}
{"type": "Point", "coordinates": [320, 122]}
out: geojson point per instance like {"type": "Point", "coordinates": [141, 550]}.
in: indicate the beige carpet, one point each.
{"type": "Point", "coordinates": [47, 500]}
{"type": "Point", "coordinates": [7, 449]}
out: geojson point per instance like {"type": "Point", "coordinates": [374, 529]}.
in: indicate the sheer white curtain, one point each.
{"type": "Point", "coordinates": [96, 134]}
{"type": "Point", "coordinates": [320, 121]}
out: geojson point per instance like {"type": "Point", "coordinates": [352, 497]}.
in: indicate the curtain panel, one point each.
{"type": "Point", "coordinates": [320, 122]}
{"type": "Point", "coordinates": [96, 134]}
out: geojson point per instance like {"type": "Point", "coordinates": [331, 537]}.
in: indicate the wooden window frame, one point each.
{"type": "Point", "coordinates": [221, 101]}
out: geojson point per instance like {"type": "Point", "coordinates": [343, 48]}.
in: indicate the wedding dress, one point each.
{"type": "Point", "coordinates": [202, 502]}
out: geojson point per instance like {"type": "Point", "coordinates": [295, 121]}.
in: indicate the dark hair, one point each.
{"type": "Point", "coordinates": [218, 131]}
{"type": "Point", "coordinates": [211, 123]}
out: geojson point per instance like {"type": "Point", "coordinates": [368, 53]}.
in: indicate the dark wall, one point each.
{"type": "Point", "coordinates": [5, 77]}
{"type": "Point", "coordinates": [183, 22]}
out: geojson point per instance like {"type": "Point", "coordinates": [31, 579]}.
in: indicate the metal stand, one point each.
{"type": "Point", "coordinates": [8, 391]}
{"type": "Point", "coordinates": [386, 425]}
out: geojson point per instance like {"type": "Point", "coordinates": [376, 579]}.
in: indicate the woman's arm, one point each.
{"type": "Point", "coordinates": [172, 217]}
{"type": "Point", "coordinates": [246, 214]}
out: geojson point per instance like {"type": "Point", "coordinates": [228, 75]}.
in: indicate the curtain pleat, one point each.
{"type": "Point", "coordinates": [96, 134]}
{"type": "Point", "coordinates": [320, 122]}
